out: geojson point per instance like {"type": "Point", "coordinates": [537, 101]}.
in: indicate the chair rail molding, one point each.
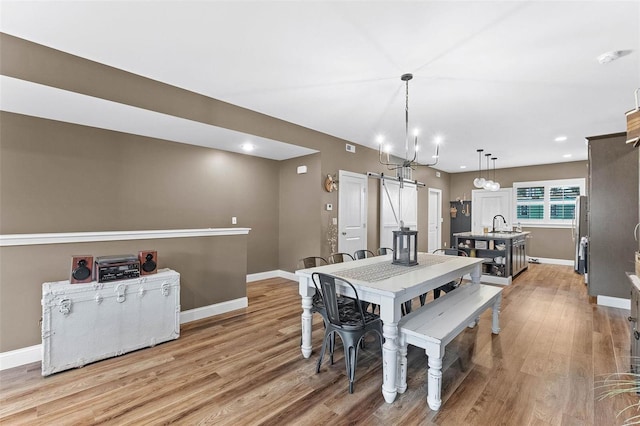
{"type": "Point", "coordinates": [85, 237]}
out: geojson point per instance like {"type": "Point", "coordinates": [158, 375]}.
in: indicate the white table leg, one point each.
{"type": "Point", "coordinates": [434, 385]}
{"type": "Point", "coordinates": [476, 274]}
{"type": "Point", "coordinates": [307, 317]}
{"type": "Point", "coordinates": [402, 364]}
{"type": "Point", "coordinates": [495, 310]}
{"type": "Point", "coordinates": [390, 361]}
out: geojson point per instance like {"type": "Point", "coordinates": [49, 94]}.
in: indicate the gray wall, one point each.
{"type": "Point", "coordinates": [550, 243]}
{"type": "Point", "coordinates": [60, 177]}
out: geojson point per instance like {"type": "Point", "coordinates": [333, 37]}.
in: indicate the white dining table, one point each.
{"type": "Point", "coordinates": [378, 281]}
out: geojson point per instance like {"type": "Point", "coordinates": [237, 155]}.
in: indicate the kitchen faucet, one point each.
{"type": "Point", "coordinates": [493, 222]}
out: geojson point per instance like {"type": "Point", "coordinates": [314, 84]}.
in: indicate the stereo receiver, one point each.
{"type": "Point", "coordinates": [119, 267]}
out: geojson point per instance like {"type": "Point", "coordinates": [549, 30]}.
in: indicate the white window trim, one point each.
{"type": "Point", "coordinates": [546, 222]}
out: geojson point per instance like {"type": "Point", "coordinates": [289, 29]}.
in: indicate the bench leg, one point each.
{"type": "Point", "coordinates": [402, 363]}
{"type": "Point", "coordinates": [434, 384]}
{"type": "Point", "coordinates": [495, 310]}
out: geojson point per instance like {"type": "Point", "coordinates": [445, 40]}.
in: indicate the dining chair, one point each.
{"type": "Point", "coordinates": [350, 322]}
{"type": "Point", "coordinates": [450, 286]}
{"type": "Point", "coordinates": [363, 254]}
{"type": "Point", "coordinates": [313, 261]}
{"type": "Point", "coordinates": [384, 250]}
{"type": "Point", "coordinates": [340, 257]}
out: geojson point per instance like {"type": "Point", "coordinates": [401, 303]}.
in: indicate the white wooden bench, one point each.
{"type": "Point", "coordinates": [434, 325]}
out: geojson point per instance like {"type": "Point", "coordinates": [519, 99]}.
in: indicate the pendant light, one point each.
{"type": "Point", "coordinates": [479, 181]}
{"type": "Point", "coordinates": [496, 185]}
{"type": "Point", "coordinates": [488, 183]}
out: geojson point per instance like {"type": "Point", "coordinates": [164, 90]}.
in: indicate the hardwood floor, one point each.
{"type": "Point", "coordinates": [246, 367]}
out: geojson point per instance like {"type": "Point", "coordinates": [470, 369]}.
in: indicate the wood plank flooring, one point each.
{"type": "Point", "coordinates": [245, 368]}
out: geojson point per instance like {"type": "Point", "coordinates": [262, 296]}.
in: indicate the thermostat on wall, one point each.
{"type": "Point", "coordinates": [329, 207]}
{"type": "Point", "coordinates": [351, 148]}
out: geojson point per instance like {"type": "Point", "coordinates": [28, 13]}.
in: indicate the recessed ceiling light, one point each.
{"type": "Point", "coordinates": [463, 167]}
{"type": "Point", "coordinates": [247, 147]}
{"type": "Point", "coordinates": [607, 57]}
{"type": "Point", "coordinates": [567, 155]}
{"type": "Point", "coordinates": [561, 138]}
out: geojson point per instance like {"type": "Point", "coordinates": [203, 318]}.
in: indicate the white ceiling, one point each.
{"type": "Point", "coordinates": [508, 76]}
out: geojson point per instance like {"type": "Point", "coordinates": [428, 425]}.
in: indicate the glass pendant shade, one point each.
{"type": "Point", "coordinates": [478, 182]}
{"type": "Point", "coordinates": [488, 184]}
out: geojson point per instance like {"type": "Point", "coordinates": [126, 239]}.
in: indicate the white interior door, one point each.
{"type": "Point", "coordinates": [390, 213]}
{"type": "Point", "coordinates": [352, 212]}
{"type": "Point", "coordinates": [487, 204]}
{"type": "Point", "coordinates": [434, 240]}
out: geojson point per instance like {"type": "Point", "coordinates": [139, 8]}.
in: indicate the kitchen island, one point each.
{"type": "Point", "coordinates": [505, 253]}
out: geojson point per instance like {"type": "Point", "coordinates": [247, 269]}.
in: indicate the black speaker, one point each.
{"type": "Point", "coordinates": [148, 262]}
{"type": "Point", "coordinates": [81, 269]}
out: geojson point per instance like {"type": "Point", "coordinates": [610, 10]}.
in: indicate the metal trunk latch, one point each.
{"type": "Point", "coordinates": [165, 288]}
{"type": "Point", "coordinates": [65, 306]}
{"type": "Point", "coordinates": [120, 293]}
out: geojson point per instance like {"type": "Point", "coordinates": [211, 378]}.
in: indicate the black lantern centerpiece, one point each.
{"type": "Point", "coordinates": [405, 247]}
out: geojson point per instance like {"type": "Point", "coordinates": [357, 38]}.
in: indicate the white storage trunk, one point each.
{"type": "Point", "coordinates": [82, 323]}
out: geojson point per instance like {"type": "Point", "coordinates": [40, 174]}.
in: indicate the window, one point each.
{"type": "Point", "coordinates": [547, 203]}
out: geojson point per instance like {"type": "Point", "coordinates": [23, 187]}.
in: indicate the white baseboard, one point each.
{"type": "Point", "coordinates": [277, 273]}
{"type": "Point", "coordinates": [212, 310]}
{"type": "Point", "coordinates": [551, 261]}
{"type": "Point", "coordinates": [33, 353]}
{"type": "Point", "coordinates": [20, 357]}
{"type": "Point", "coordinates": [614, 302]}
{"type": "Point", "coordinates": [288, 275]}
{"type": "Point", "coordinates": [262, 276]}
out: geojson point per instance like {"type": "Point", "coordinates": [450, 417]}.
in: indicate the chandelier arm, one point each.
{"type": "Point", "coordinates": [437, 157]}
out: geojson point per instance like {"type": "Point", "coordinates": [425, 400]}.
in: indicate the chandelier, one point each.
{"type": "Point", "coordinates": [401, 167]}
{"type": "Point", "coordinates": [405, 240]}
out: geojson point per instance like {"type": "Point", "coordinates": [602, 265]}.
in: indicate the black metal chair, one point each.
{"type": "Point", "coordinates": [313, 261]}
{"type": "Point", "coordinates": [340, 257]}
{"type": "Point", "coordinates": [317, 304]}
{"type": "Point", "coordinates": [350, 322]}
{"type": "Point", "coordinates": [384, 250]}
{"type": "Point", "coordinates": [363, 254]}
{"type": "Point", "coordinates": [450, 286]}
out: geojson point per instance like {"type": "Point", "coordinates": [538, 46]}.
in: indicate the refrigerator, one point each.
{"type": "Point", "coordinates": [579, 236]}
